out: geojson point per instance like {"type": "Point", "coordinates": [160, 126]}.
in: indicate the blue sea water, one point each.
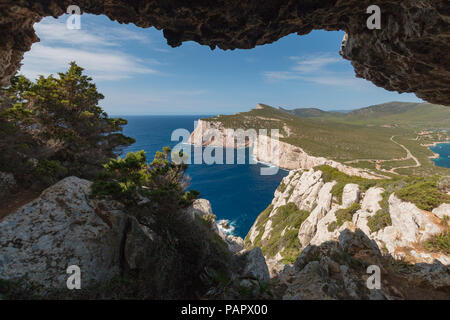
{"type": "Point", "coordinates": [443, 149]}
{"type": "Point", "coordinates": [237, 192]}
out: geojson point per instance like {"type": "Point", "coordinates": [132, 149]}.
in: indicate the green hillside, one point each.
{"type": "Point", "coordinates": [406, 114]}
{"type": "Point", "coordinates": [370, 137]}
{"type": "Point", "coordinates": [309, 112]}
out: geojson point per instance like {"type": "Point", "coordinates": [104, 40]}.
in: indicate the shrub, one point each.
{"type": "Point", "coordinates": [343, 215]}
{"type": "Point", "coordinates": [424, 193]}
{"type": "Point", "coordinates": [131, 180]}
{"type": "Point", "coordinates": [382, 218]}
{"type": "Point", "coordinates": [58, 119]}
{"type": "Point", "coordinates": [439, 243]}
{"type": "Point", "coordinates": [288, 218]}
{"type": "Point", "coordinates": [330, 174]}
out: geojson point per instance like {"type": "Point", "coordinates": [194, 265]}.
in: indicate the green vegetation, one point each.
{"type": "Point", "coordinates": [282, 187]}
{"type": "Point", "coordinates": [54, 127]}
{"type": "Point", "coordinates": [343, 215]}
{"type": "Point", "coordinates": [363, 135]}
{"type": "Point", "coordinates": [439, 243]}
{"type": "Point", "coordinates": [330, 174]}
{"type": "Point", "coordinates": [131, 180]}
{"type": "Point", "coordinates": [424, 193]}
{"type": "Point", "coordinates": [286, 223]}
{"type": "Point", "coordinates": [382, 218]}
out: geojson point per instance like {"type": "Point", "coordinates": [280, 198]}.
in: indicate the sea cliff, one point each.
{"type": "Point", "coordinates": [267, 149]}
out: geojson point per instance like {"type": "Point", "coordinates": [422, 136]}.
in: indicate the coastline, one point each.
{"type": "Point", "coordinates": [436, 155]}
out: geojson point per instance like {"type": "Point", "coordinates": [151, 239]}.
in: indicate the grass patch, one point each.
{"type": "Point", "coordinates": [330, 174]}
{"type": "Point", "coordinates": [260, 223]}
{"type": "Point", "coordinates": [439, 243]}
{"type": "Point", "coordinates": [343, 215]}
{"type": "Point", "coordinates": [424, 193]}
{"type": "Point", "coordinates": [288, 219]}
{"type": "Point", "coordinates": [382, 218]}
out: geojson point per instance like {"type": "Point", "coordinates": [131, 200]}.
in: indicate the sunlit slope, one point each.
{"type": "Point", "coordinates": [361, 138]}
{"type": "Point", "coordinates": [321, 137]}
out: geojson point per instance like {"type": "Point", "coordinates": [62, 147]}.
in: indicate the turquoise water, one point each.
{"type": "Point", "coordinates": [238, 193]}
{"type": "Point", "coordinates": [443, 149]}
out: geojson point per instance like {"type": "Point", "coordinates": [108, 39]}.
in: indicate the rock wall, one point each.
{"type": "Point", "coordinates": [401, 240]}
{"type": "Point", "coordinates": [267, 149]}
{"type": "Point", "coordinates": [408, 54]}
{"type": "Point", "coordinates": [65, 227]}
{"type": "Point", "coordinates": [61, 228]}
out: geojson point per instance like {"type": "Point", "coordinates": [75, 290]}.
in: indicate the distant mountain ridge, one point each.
{"type": "Point", "coordinates": [410, 113]}
{"type": "Point", "coordinates": [309, 112]}
{"type": "Point", "coordinates": [379, 111]}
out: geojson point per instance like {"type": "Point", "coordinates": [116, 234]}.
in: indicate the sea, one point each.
{"type": "Point", "coordinates": [238, 192]}
{"type": "Point", "coordinates": [443, 149]}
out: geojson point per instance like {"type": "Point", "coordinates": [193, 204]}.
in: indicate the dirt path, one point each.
{"type": "Point", "coordinates": [378, 162]}
{"type": "Point", "coordinates": [409, 155]}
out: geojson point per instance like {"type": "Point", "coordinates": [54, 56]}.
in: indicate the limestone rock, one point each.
{"type": "Point", "coordinates": [62, 227]}
{"type": "Point", "coordinates": [268, 150]}
{"type": "Point", "coordinates": [200, 207]}
{"type": "Point", "coordinates": [350, 195]}
{"type": "Point", "coordinates": [309, 227]}
{"type": "Point", "coordinates": [369, 207]}
{"type": "Point", "coordinates": [256, 266]}
{"type": "Point", "coordinates": [409, 225]}
{"type": "Point", "coordinates": [235, 244]}
{"type": "Point", "coordinates": [442, 211]}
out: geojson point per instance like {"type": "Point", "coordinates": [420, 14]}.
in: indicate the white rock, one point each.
{"type": "Point", "coordinates": [62, 227]}
{"type": "Point", "coordinates": [350, 195]}
{"type": "Point", "coordinates": [256, 266]}
{"type": "Point", "coordinates": [309, 227]}
{"type": "Point", "coordinates": [442, 211]}
{"type": "Point", "coordinates": [409, 225]}
{"type": "Point", "coordinates": [369, 207]}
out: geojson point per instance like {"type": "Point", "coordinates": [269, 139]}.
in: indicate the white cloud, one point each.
{"type": "Point", "coordinates": [280, 75]}
{"type": "Point", "coordinates": [316, 69]}
{"type": "Point", "coordinates": [51, 30]}
{"type": "Point", "coordinates": [100, 64]}
{"type": "Point", "coordinates": [58, 32]}
{"type": "Point", "coordinates": [96, 48]}
{"type": "Point", "coordinates": [307, 65]}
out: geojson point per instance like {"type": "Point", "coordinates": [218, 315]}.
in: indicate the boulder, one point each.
{"type": "Point", "coordinates": [255, 265]}
{"type": "Point", "coordinates": [62, 227]}
{"type": "Point", "coordinates": [350, 195]}
{"type": "Point", "coordinates": [442, 211]}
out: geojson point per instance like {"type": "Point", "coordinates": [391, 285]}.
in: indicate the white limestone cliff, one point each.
{"type": "Point", "coordinates": [266, 149]}
{"type": "Point", "coordinates": [401, 240]}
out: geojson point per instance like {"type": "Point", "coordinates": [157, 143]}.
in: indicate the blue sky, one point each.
{"type": "Point", "coordinates": [140, 74]}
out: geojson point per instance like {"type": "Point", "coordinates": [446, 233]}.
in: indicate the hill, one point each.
{"type": "Point", "coordinates": [376, 137]}
{"type": "Point", "coordinates": [406, 114]}
{"type": "Point", "coordinates": [309, 112]}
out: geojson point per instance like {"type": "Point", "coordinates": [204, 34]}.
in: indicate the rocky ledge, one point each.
{"type": "Point", "coordinates": [306, 217]}
{"type": "Point", "coordinates": [65, 227]}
